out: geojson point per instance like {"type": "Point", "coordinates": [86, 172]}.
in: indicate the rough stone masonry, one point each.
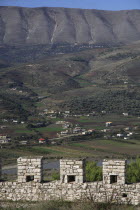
{"type": "Point", "coordinates": [72, 184]}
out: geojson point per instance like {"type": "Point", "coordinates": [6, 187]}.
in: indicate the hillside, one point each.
{"type": "Point", "coordinates": [95, 79]}
{"type": "Point", "coordinates": [28, 26]}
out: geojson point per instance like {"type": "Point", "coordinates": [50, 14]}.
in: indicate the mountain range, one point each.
{"type": "Point", "coordinates": [29, 26]}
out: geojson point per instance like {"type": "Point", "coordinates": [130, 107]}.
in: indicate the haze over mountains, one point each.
{"type": "Point", "coordinates": [60, 25]}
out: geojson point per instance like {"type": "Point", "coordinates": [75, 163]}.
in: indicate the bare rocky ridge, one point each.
{"type": "Point", "coordinates": [60, 25]}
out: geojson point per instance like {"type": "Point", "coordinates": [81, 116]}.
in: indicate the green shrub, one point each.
{"type": "Point", "coordinates": [93, 172]}
{"type": "Point", "coordinates": [64, 205]}
{"type": "Point", "coordinates": [133, 171]}
{"type": "Point", "coordinates": [55, 176]}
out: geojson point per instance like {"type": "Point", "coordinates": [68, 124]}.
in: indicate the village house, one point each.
{"type": "Point", "coordinates": [51, 112]}
{"type": "Point", "coordinates": [103, 112]}
{"type": "Point", "coordinates": [67, 112]}
{"type": "Point", "coordinates": [92, 113]}
{"type": "Point", "coordinates": [23, 142]}
{"type": "Point", "coordinates": [3, 136]}
{"type": "Point", "coordinates": [4, 139]}
{"type": "Point", "coordinates": [5, 120]}
{"type": "Point", "coordinates": [60, 122]}
{"type": "Point", "coordinates": [15, 121]}
{"type": "Point", "coordinates": [125, 114]}
{"type": "Point", "coordinates": [42, 141]}
{"type": "Point", "coordinates": [127, 128]}
{"type": "Point", "coordinates": [105, 130]}
{"type": "Point", "coordinates": [90, 131]}
{"type": "Point", "coordinates": [3, 126]}
{"type": "Point", "coordinates": [130, 134]}
{"type": "Point", "coordinates": [84, 132]}
{"type": "Point", "coordinates": [125, 138]}
{"type": "Point", "coordinates": [45, 111]}
{"type": "Point", "coordinates": [77, 130]}
{"type": "Point", "coordinates": [108, 124]}
{"type": "Point", "coordinates": [64, 132]}
{"type": "Point", "coordinates": [120, 134]}
{"type": "Point", "coordinates": [66, 125]}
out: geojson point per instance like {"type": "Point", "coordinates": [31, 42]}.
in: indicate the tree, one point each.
{"type": "Point", "coordinates": [133, 171]}
{"type": "Point", "coordinates": [93, 172]}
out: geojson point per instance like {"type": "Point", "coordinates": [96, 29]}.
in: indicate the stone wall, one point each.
{"type": "Point", "coordinates": [30, 169]}
{"type": "Point", "coordinates": [72, 188]}
{"type": "Point", "coordinates": [114, 171]}
{"type": "Point", "coordinates": [72, 170]}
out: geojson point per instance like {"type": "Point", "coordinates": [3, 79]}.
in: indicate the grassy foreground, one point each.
{"type": "Point", "coordinates": [64, 205]}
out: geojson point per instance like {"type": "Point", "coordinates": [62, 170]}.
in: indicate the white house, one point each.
{"type": "Point", "coordinates": [120, 134]}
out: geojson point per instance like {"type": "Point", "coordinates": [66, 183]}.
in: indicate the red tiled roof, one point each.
{"type": "Point", "coordinates": [41, 139]}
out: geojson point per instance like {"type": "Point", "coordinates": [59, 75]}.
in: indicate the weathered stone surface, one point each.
{"type": "Point", "coordinates": [29, 168]}
{"type": "Point", "coordinates": [114, 171]}
{"type": "Point", "coordinates": [69, 168]}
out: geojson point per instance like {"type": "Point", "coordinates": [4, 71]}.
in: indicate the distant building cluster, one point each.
{"type": "Point", "coordinates": [4, 139]}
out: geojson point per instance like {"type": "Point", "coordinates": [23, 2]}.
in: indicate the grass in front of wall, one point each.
{"type": "Point", "coordinates": [63, 205]}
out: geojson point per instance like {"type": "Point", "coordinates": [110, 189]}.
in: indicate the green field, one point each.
{"type": "Point", "coordinates": [95, 149]}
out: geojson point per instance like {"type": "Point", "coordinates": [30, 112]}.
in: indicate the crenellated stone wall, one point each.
{"type": "Point", "coordinates": [30, 169]}
{"type": "Point", "coordinates": [72, 184]}
{"type": "Point", "coordinates": [114, 171]}
{"type": "Point", "coordinates": [72, 171]}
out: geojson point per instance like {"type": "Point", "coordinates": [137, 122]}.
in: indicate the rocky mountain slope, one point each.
{"type": "Point", "coordinates": [61, 25]}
